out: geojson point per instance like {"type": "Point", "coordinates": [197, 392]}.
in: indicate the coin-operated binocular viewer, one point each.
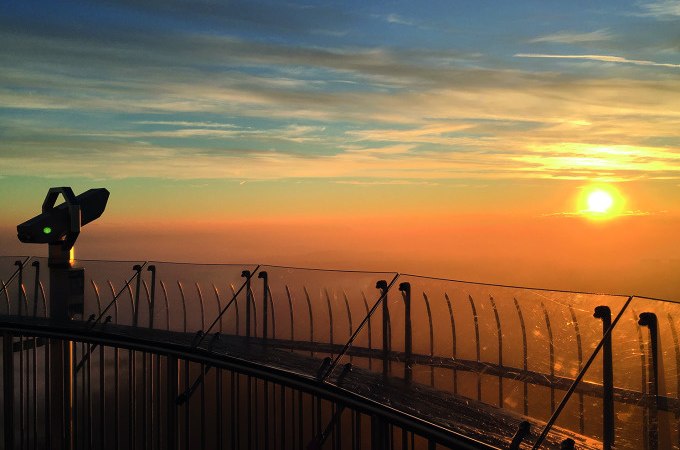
{"type": "Point", "coordinates": [59, 227]}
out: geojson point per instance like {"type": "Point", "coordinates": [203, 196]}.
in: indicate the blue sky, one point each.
{"type": "Point", "coordinates": [372, 86]}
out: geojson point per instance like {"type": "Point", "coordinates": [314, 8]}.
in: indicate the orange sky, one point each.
{"type": "Point", "coordinates": [530, 234]}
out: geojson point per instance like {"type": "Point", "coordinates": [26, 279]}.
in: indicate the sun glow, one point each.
{"type": "Point", "coordinates": [601, 202]}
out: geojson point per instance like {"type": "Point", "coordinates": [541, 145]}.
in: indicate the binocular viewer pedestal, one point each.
{"type": "Point", "coordinates": [59, 227]}
{"type": "Point", "coordinates": [67, 285]}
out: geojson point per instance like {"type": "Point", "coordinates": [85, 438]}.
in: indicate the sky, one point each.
{"type": "Point", "coordinates": [447, 138]}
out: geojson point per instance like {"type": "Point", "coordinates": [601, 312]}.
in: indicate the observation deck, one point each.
{"type": "Point", "coordinates": [170, 355]}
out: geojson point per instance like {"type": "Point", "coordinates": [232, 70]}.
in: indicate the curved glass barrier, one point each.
{"type": "Point", "coordinates": [191, 297]}
{"type": "Point", "coordinates": [494, 363]}
{"type": "Point", "coordinates": [639, 409]}
{"type": "Point", "coordinates": [299, 317]}
{"type": "Point", "coordinates": [109, 290]}
{"type": "Point", "coordinates": [477, 359]}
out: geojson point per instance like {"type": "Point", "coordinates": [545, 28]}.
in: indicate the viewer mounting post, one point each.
{"type": "Point", "coordinates": [59, 227]}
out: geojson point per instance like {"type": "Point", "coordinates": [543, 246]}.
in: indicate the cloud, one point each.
{"type": "Point", "coordinates": [665, 9]}
{"type": "Point", "coordinates": [602, 58]}
{"type": "Point", "coordinates": [184, 123]}
{"type": "Point", "coordinates": [585, 213]}
{"type": "Point", "coordinates": [71, 155]}
{"type": "Point", "coordinates": [566, 37]}
{"type": "Point", "coordinates": [395, 18]}
{"type": "Point", "coordinates": [387, 182]}
{"type": "Point", "coordinates": [615, 163]}
{"type": "Point", "coordinates": [121, 102]}
{"type": "Point", "coordinates": [398, 19]}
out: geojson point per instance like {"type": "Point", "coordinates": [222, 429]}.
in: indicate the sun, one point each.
{"type": "Point", "coordinates": [600, 201]}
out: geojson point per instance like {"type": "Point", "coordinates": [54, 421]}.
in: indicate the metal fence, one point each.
{"type": "Point", "coordinates": [443, 361]}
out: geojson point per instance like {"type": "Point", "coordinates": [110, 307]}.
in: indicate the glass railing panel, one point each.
{"type": "Point", "coordinates": [35, 279]}
{"type": "Point", "coordinates": [190, 297]}
{"type": "Point", "coordinates": [310, 316]}
{"type": "Point", "coordinates": [12, 300]}
{"type": "Point", "coordinates": [106, 284]}
{"type": "Point", "coordinates": [645, 361]}
{"type": "Point", "coordinates": [480, 357]}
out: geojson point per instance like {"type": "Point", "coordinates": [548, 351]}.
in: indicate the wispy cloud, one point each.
{"type": "Point", "coordinates": [395, 18]}
{"type": "Point", "coordinates": [437, 133]}
{"type": "Point", "coordinates": [387, 182]}
{"type": "Point", "coordinates": [602, 58]}
{"type": "Point", "coordinates": [70, 155]}
{"type": "Point", "coordinates": [177, 103]}
{"type": "Point", "coordinates": [607, 163]}
{"type": "Point", "coordinates": [183, 123]}
{"type": "Point", "coordinates": [665, 9]}
{"type": "Point", "coordinates": [566, 37]}
{"type": "Point", "coordinates": [632, 213]}
{"type": "Point", "coordinates": [291, 133]}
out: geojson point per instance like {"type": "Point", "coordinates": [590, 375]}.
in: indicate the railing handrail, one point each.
{"type": "Point", "coordinates": [263, 266]}
{"type": "Point", "coordinates": [101, 337]}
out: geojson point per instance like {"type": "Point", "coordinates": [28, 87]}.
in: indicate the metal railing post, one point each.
{"type": "Point", "coordinates": [201, 303]}
{"type": "Point", "coordinates": [522, 432]}
{"type": "Point", "coordinates": [578, 379]}
{"type": "Point", "coordinates": [290, 310]}
{"type": "Point", "coordinates": [138, 273]}
{"type": "Point", "coordinates": [380, 439]}
{"type": "Point", "coordinates": [152, 296]}
{"type": "Point", "coordinates": [604, 313]}
{"type": "Point", "coordinates": [311, 319]}
{"type": "Point", "coordinates": [551, 347]}
{"type": "Point", "coordinates": [8, 388]}
{"type": "Point", "coordinates": [265, 291]}
{"type": "Point", "coordinates": [319, 439]}
{"type": "Point", "coordinates": [454, 346]}
{"type": "Point", "coordinates": [246, 274]}
{"type": "Point", "coordinates": [171, 397]}
{"type": "Point", "coordinates": [330, 319]}
{"type": "Point", "coordinates": [567, 444]}
{"type": "Point", "coordinates": [349, 315]}
{"type": "Point", "coordinates": [271, 308]}
{"type": "Point", "coordinates": [219, 303]}
{"type": "Point", "coordinates": [643, 375]}
{"type": "Point", "coordinates": [265, 301]}
{"type": "Point", "coordinates": [500, 349]}
{"type": "Point", "coordinates": [20, 283]}
{"type": "Point", "coordinates": [676, 345]}
{"type": "Point", "coordinates": [369, 332]}
{"type": "Point", "coordinates": [184, 305]}
{"type": "Point", "coordinates": [36, 287]}
{"type": "Point", "coordinates": [649, 320]}
{"type": "Point", "coordinates": [429, 320]}
{"type": "Point", "coordinates": [61, 375]}
{"type": "Point", "coordinates": [478, 345]}
{"type": "Point", "coordinates": [579, 347]}
{"type": "Point", "coordinates": [386, 344]}
{"type": "Point", "coordinates": [405, 289]}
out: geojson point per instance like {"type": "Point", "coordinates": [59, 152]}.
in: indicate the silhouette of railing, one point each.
{"type": "Point", "coordinates": [450, 362]}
